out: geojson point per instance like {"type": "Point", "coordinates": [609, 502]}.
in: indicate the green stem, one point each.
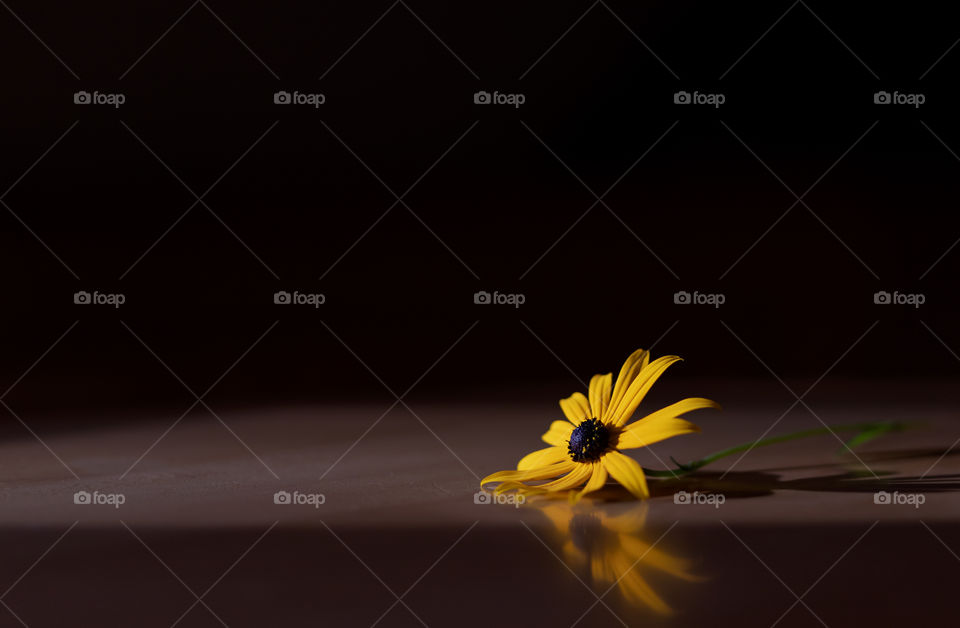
{"type": "Point", "coordinates": [863, 433]}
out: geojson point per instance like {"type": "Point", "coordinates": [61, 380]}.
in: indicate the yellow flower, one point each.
{"type": "Point", "coordinates": [614, 549]}
{"type": "Point", "coordinates": [585, 449]}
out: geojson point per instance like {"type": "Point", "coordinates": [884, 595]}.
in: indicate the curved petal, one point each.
{"type": "Point", "coordinates": [641, 434]}
{"type": "Point", "coordinates": [520, 487]}
{"type": "Point", "coordinates": [600, 394]}
{"type": "Point", "coordinates": [580, 474]}
{"type": "Point", "coordinates": [596, 482]}
{"type": "Point", "coordinates": [628, 472]}
{"type": "Point", "coordinates": [558, 434]}
{"type": "Point", "coordinates": [576, 408]}
{"type": "Point", "coordinates": [680, 407]}
{"type": "Point", "coordinates": [542, 458]}
{"type": "Point", "coordinates": [638, 389]}
{"type": "Point", "coordinates": [628, 372]}
{"type": "Point", "coordinates": [577, 476]}
{"type": "Point", "coordinates": [663, 424]}
{"type": "Point", "coordinates": [541, 473]}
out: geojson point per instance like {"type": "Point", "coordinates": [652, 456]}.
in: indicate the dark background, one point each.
{"type": "Point", "coordinates": [490, 208]}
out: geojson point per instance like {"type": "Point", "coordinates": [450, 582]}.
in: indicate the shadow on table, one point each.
{"type": "Point", "coordinates": [892, 455]}
{"type": "Point", "coordinates": [861, 480]}
{"type": "Point", "coordinates": [758, 483]}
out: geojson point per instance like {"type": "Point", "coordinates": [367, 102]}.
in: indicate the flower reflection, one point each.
{"type": "Point", "coordinates": [613, 550]}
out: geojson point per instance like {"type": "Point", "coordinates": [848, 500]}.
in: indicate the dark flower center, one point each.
{"type": "Point", "coordinates": [588, 441]}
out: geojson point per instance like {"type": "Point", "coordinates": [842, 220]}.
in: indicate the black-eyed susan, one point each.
{"type": "Point", "coordinates": [585, 450]}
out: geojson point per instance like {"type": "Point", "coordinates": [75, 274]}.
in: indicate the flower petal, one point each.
{"type": "Point", "coordinates": [596, 482]}
{"type": "Point", "coordinates": [600, 394]}
{"type": "Point", "coordinates": [633, 365]}
{"type": "Point", "coordinates": [628, 472]}
{"type": "Point", "coordinates": [641, 434]}
{"type": "Point", "coordinates": [638, 389]}
{"type": "Point", "coordinates": [558, 434]}
{"type": "Point", "coordinates": [541, 473]}
{"type": "Point", "coordinates": [576, 408]}
{"type": "Point", "coordinates": [577, 476]}
{"type": "Point", "coordinates": [663, 424]}
{"type": "Point", "coordinates": [520, 487]}
{"type": "Point", "coordinates": [580, 474]}
{"type": "Point", "coordinates": [543, 457]}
